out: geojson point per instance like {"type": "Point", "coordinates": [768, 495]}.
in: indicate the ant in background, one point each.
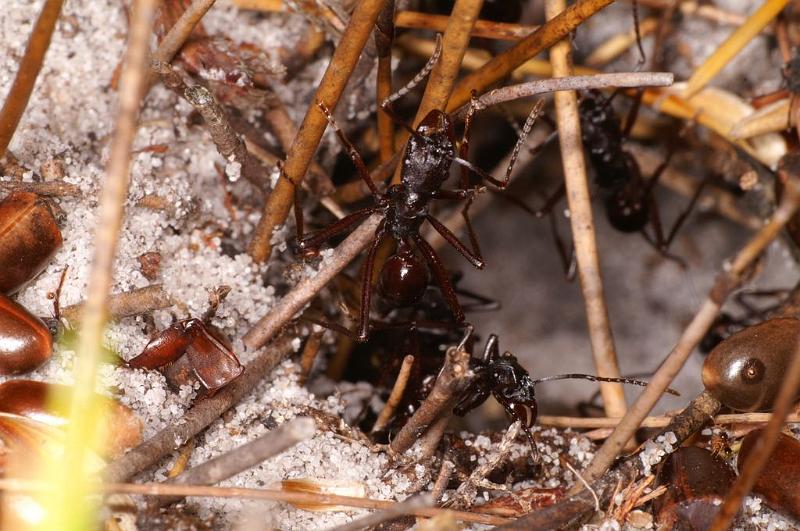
{"type": "Point", "coordinates": [502, 377]}
{"type": "Point", "coordinates": [404, 207]}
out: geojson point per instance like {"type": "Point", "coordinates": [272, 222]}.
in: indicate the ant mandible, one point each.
{"type": "Point", "coordinates": [502, 377]}
{"type": "Point", "coordinates": [426, 162]}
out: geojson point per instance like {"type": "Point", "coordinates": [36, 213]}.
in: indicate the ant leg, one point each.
{"type": "Point", "coordinates": [474, 257]}
{"type": "Point", "coordinates": [568, 262]}
{"type": "Point", "coordinates": [526, 129]}
{"type": "Point", "coordinates": [637, 31]}
{"type": "Point", "coordinates": [311, 243]}
{"type": "Point", "coordinates": [386, 105]}
{"type": "Point", "coordinates": [330, 326]}
{"type": "Point", "coordinates": [363, 172]}
{"type": "Point", "coordinates": [366, 283]}
{"type": "Point", "coordinates": [441, 275]}
{"type": "Point", "coordinates": [685, 214]}
{"type": "Point", "coordinates": [57, 296]}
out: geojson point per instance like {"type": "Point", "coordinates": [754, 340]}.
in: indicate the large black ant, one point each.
{"type": "Point", "coordinates": [502, 377]}
{"type": "Point", "coordinates": [426, 162]}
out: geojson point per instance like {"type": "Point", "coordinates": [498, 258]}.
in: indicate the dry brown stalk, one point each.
{"type": "Point", "coordinates": [180, 32]}
{"type": "Point", "coordinates": [652, 422]}
{"type": "Point", "coordinates": [395, 396]}
{"type": "Point", "coordinates": [309, 354]}
{"type": "Point", "coordinates": [245, 456]}
{"type": "Point", "coordinates": [306, 289]}
{"type": "Point", "coordinates": [127, 303]}
{"type": "Point", "coordinates": [162, 489]}
{"type": "Point", "coordinates": [763, 448]}
{"type": "Point", "coordinates": [582, 223]}
{"type": "Point", "coordinates": [708, 12]}
{"type": "Point", "coordinates": [29, 67]}
{"type": "Point", "coordinates": [109, 222]}
{"type": "Point", "coordinates": [728, 279]}
{"type": "Point", "coordinates": [384, 38]}
{"type": "Point", "coordinates": [505, 63]}
{"type": "Point", "coordinates": [299, 157]}
{"type": "Point", "coordinates": [452, 379]}
{"type": "Point", "coordinates": [46, 188]}
{"type": "Point", "coordinates": [487, 29]}
{"type": "Point", "coordinates": [200, 415]}
{"type": "Point", "coordinates": [400, 509]}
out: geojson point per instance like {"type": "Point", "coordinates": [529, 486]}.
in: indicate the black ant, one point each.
{"type": "Point", "coordinates": [429, 154]}
{"type": "Point", "coordinates": [629, 202]}
{"type": "Point", "coordinates": [503, 377]}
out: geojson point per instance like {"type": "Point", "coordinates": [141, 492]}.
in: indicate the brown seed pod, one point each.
{"type": "Point", "coordinates": [697, 482]}
{"type": "Point", "coordinates": [49, 404]}
{"type": "Point", "coordinates": [25, 341]}
{"type": "Point", "coordinates": [779, 482]}
{"type": "Point", "coordinates": [744, 371]}
{"type": "Point", "coordinates": [29, 236]}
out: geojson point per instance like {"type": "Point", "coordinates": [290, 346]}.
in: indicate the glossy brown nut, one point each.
{"type": "Point", "coordinates": [25, 341]}
{"type": "Point", "coordinates": [744, 371]}
{"type": "Point", "coordinates": [697, 482]}
{"type": "Point", "coordinates": [29, 236]}
{"type": "Point", "coordinates": [49, 404]}
{"type": "Point", "coordinates": [779, 482]}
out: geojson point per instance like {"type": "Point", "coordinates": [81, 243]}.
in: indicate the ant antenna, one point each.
{"type": "Point", "coordinates": [593, 378]}
{"type": "Point", "coordinates": [420, 75]}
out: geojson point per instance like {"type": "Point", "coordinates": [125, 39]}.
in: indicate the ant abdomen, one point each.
{"type": "Point", "coordinates": [404, 279]}
{"type": "Point", "coordinates": [627, 209]}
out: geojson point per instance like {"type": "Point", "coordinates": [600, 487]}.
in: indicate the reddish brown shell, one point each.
{"type": "Point", "coordinates": [29, 236]}
{"type": "Point", "coordinates": [779, 482]}
{"type": "Point", "coordinates": [25, 341]}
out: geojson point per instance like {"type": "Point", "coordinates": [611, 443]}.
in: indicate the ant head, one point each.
{"type": "Point", "coordinates": [404, 278]}
{"type": "Point", "coordinates": [436, 123]}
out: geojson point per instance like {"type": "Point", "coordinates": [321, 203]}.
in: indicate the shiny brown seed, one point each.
{"type": "Point", "coordinates": [29, 236]}
{"type": "Point", "coordinates": [744, 371]}
{"type": "Point", "coordinates": [49, 404]}
{"type": "Point", "coordinates": [779, 482]}
{"type": "Point", "coordinates": [25, 341]}
{"type": "Point", "coordinates": [697, 482]}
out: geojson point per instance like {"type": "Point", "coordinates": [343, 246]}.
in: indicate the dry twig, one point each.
{"type": "Point", "coordinates": [395, 396]}
{"type": "Point", "coordinates": [203, 413]}
{"type": "Point", "coordinates": [452, 380]}
{"type": "Point", "coordinates": [245, 456]}
{"type": "Point", "coordinates": [652, 422]}
{"type": "Point", "coordinates": [299, 157]}
{"type": "Point", "coordinates": [487, 29]}
{"type": "Point", "coordinates": [728, 280]}
{"type": "Point", "coordinates": [29, 68]}
{"type": "Point", "coordinates": [46, 188]}
{"type": "Point", "coordinates": [402, 508]}
{"type": "Point", "coordinates": [582, 223]}
{"type": "Point", "coordinates": [127, 303]}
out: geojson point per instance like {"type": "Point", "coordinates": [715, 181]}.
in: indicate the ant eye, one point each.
{"type": "Point", "coordinates": [753, 371]}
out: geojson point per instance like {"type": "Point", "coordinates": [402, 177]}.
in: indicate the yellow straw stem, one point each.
{"type": "Point", "coordinates": [733, 45]}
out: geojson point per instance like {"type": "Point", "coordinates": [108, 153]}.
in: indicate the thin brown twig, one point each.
{"type": "Point", "coordinates": [162, 489]}
{"type": "Point", "coordinates": [505, 63]}
{"type": "Point", "coordinates": [200, 415]}
{"type": "Point", "coordinates": [384, 39]}
{"type": "Point", "coordinates": [46, 188]}
{"type": "Point", "coordinates": [309, 354]}
{"type": "Point", "coordinates": [402, 508]}
{"type": "Point", "coordinates": [487, 29]}
{"type": "Point", "coordinates": [395, 396]}
{"type": "Point", "coordinates": [442, 480]}
{"type": "Point", "coordinates": [299, 157]}
{"type": "Point", "coordinates": [582, 223]}
{"type": "Point", "coordinates": [452, 379]}
{"type": "Point", "coordinates": [29, 67]}
{"type": "Point", "coordinates": [245, 456]}
{"type": "Point", "coordinates": [128, 303]}
{"type": "Point", "coordinates": [728, 279]}
{"type": "Point", "coordinates": [763, 448]}
{"type": "Point", "coordinates": [653, 422]}
{"type": "Point", "coordinates": [109, 222]}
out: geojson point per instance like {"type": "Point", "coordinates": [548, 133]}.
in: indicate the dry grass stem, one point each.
{"type": "Point", "coordinates": [299, 157]}
{"type": "Point", "coordinates": [728, 280]}
{"type": "Point", "coordinates": [402, 508]}
{"type": "Point", "coordinates": [245, 456]}
{"type": "Point", "coordinates": [46, 188]}
{"type": "Point", "coordinates": [29, 67]}
{"type": "Point", "coordinates": [163, 489]}
{"type": "Point", "coordinates": [395, 396]}
{"type": "Point", "coordinates": [309, 354]}
{"type": "Point", "coordinates": [582, 223]}
{"type": "Point", "coordinates": [199, 416]}
{"type": "Point", "coordinates": [763, 448]}
{"type": "Point", "coordinates": [127, 303]}
{"type": "Point", "coordinates": [487, 29]}
{"type": "Point", "coordinates": [546, 36]}
{"type": "Point", "coordinates": [653, 422]}
{"type": "Point", "coordinates": [733, 45]}
{"type": "Point", "coordinates": [384, 39]}
{"type": "Point", "coordinates": [702, 10]}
